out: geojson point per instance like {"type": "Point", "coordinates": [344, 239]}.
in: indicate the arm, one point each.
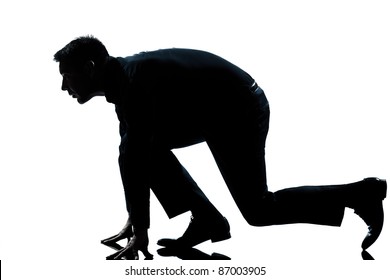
{"type": "Point", "coordinates": [136, 131]}
{"type": "Point", "coordinates": [133, 168]}
{"type": "Point", "coordinates": [134, 163]}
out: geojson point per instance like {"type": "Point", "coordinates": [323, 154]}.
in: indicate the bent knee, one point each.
{"type": "Point", "coordinates": [258, 219]}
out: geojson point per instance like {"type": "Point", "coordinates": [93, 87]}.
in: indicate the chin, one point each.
{"type": "Point", "coordinates": [85, 99]}
{"type": "Point", "coordinates": [81, 100]}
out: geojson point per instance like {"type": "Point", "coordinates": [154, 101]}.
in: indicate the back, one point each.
{"type": "Point", "coordinates": [179, 70]}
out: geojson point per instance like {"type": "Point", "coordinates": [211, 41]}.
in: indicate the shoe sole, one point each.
{"type": "Point", "coordinates": [382, 189]}
{"type": "Point", "coordinates": [380, 194]}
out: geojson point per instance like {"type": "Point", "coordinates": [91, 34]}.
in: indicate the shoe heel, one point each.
{"type": "Point", "coordinates": [379, 187]}
{"type": "Point", "coordinates": [220, 237]}
{"type": "Point", "coordinates": [384, 189]}
{"type": "Point", "coordinates": [223, 233]}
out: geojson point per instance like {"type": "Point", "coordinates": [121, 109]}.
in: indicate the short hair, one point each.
{"type": "Point", "coordinates": [81, 50]}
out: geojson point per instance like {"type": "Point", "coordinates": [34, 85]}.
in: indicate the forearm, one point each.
{"type": "Point", "coordinates": [134, 159]}
{"type": "Point", "coordinates": [137, 193]}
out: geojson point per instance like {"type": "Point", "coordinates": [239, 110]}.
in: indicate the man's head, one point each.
{"type": "Point", "coordinates": [81, 62]}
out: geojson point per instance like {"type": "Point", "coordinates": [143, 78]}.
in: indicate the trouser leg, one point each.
{"type": "Point", "coordinates": [175, 189]}
{"type": "Point", "coordinates": [323, 205]}
{"type": "Point", "coordinates": [238, 148]}
{"type": "Point", "coordinates": [246, 180]}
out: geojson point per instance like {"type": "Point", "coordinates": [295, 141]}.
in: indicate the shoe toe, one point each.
{"type": "Point", "coordinates": [374, 231]}
{"type": "Point", "coordinates": [374, 218]}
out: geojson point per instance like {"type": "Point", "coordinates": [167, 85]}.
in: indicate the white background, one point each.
{"type": "Point", "coordinates": [324, 66]}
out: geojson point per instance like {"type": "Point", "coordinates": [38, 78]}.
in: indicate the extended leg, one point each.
{"type": "Point", "coordinates": [238, 148]}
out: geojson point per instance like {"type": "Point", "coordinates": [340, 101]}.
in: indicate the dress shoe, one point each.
{"type": "Point", "coordinates": [199, 231]}
{"type": "Point", "coordinates": [368, 205]}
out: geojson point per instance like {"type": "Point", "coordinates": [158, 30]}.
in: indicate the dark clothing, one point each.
{"type": "Point", "coordinates": [174, 98]}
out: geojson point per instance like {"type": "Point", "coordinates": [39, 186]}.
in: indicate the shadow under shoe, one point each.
{"type": "Point", "coordinates": [367, 256]}
{"type": "Point", "coordinates": [199, 231]}
{"type": "Point", "coordinates": [368, 205]}
{"type": "Point", "coordinates": [189, 254]}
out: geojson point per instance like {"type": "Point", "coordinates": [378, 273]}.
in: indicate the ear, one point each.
{"type": "Point", "coordinates": [89, 68]}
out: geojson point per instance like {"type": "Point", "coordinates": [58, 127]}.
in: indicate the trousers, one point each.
{"type": "Point", "coordinates": [236, 139]}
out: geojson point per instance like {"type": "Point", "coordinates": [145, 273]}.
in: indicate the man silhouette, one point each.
{"type": "Point", "coordinates": [174, 98]}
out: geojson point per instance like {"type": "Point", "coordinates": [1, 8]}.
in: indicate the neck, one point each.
{"type": "Point", "coordinates": [112, 80]}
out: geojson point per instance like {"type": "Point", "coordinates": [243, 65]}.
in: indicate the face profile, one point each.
{"type": "Point", "coordinates": [79, 84]}
{"type": "Point", "coordinates": [80, 63]}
